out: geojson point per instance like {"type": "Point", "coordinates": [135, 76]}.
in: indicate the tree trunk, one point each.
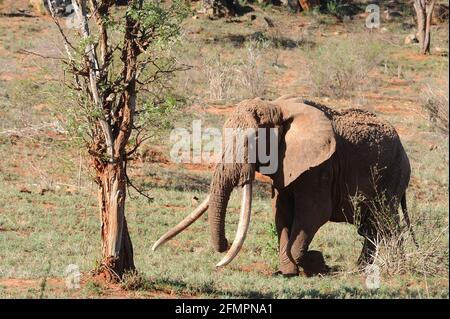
{"type": "Point", "coordinates": [429, 16]}
{"type": "Point", "coordinates": [117, 250]}
{"type": "Point", "coordinates": [420, 14]}
{"type": "Point", "coordinates": [307, 4]}
{"type": "Point", "coordinates": [424, 12]}
{"type": "Point", "coordinates": [299, 5]}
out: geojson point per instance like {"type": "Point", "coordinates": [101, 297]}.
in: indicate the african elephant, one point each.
{"type": "Point", "coordinates": [325, 158]}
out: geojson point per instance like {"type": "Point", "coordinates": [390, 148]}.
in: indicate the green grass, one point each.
{"type": "Point", "coordinates": [33, 235]}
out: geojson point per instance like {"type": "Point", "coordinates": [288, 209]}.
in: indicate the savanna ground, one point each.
{"type": "Point", "coordinates": [48, 209]}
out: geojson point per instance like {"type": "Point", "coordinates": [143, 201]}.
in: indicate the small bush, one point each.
{"type": "Point", "coordinates": [396, 251]}
{"type": "Point", "coordinates": [426, 260]}
{"type": "Point", "coordinates": [339, 8]}
{"type": "Point", "coordinates": [251, 75]}
{"type": "Point", "coordinates": [340, 67]}
{"type": "Point", "coordinates": [219, 76]}
{"type": "Point", "coordinates": [38, 6]}
{"type": "Point", "coordinates": [435, 104]}
{"type": "Point", "coordinates": [235, 80]}
{"type": "Point", "coordinates": [134, 280]}
{"type": "Point", "coordinates": [93, 288]}
{"type": "Point", "coordinates": [397, 255]}
{"type": "Point", "coordinates": [334, 7]}
{"type": "Point", "coordinates": [270, 251]}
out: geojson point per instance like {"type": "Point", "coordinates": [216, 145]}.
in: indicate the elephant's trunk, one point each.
{"type": "Point", "coordinates": [216, 216]}
{"type": "Point", "coordinates": [225, 178]}
{"type": "Point", "coordinates": [244, 222]}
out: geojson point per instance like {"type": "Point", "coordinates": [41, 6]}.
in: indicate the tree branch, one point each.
{"type": "Point", "coordinates": [80, 11]}
{"type": "Point", "coordinates": [67, 44]}
{"type": "Point", "coordinates": [23, 51]}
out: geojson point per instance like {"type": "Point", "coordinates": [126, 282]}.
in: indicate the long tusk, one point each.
{"type": "Point", "coordinates": [244, 222]}
{"type": "Point", "coordinates": [192, 217]}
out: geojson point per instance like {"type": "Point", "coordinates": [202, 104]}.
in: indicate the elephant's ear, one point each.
{"type": "Point", "coordinates": [308, 141]}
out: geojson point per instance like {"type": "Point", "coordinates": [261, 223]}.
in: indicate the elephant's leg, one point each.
{"type": "Point", "coordinates": [282, 206]}
{"type": "Point", "coordinates": [368, 230]}
{"type": "Point", "coordinates": [313, 208]}
{"type": "Point", "coordinates": [304, 228]}
{"type": "Point", "coordinates": [380, 221]}
{"type": "Point", "coordinates": [367, 253]}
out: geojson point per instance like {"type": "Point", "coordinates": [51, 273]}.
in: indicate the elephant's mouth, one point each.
{"type": "Point", "coordinates": [244, 222]}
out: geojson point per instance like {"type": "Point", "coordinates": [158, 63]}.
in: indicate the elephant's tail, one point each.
{"type": "Point", "coordinates": [408, 222]}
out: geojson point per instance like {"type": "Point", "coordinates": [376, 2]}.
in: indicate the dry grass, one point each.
{"type": "Point", "coordinates": [250, 73]}
{"type": "Point", "coordinates": [435, 104]}
{"type": "Point", "coordinates": [235, 80]}
{"type": "Point", "coordinates": [395, 257]}
{"type": "Point", "coordinates": [220, 78]}
{"type": "Point", "coordinates": [134, 280]}
{"type": "Point", "coordinates": [340, 68]}
{"type": "Point", "coordinates": [421, 250]}
{"type": "Point", "coordinates": [38, 6]}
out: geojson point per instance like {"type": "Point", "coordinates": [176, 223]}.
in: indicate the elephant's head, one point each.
{"type": "Point", "coordinates": [305, 140]}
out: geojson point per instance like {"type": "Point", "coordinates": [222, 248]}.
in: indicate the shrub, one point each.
{"type": "Point", "coordinates": [134, 280]}
{"type": "Point", "coordinates": [219, 76]}
{"type": "Point", "coordinates": [435, 104]}
{"type": "Point", "coordinates": [251, 75]}
{"type": "Point", "coordinates": [38, 6]}
{"type": "Point", "coordinates": [396, 251]}
{"type": "Point", "coordinates": [232, 80]}
{"type": "Point", "coordinates": [341, 66]}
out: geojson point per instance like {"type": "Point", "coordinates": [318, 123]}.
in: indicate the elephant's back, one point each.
{"type": "Point", "coordinates": [357, 126]}
{"type": "Point", "coordinates": [370, 138]}
{"type": "Point", "coordinates": [362, 127]}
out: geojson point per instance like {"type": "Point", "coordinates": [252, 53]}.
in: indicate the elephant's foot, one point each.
{"type": "Point", "coordinates": [313, 263]}
{"type": "Point", "coordinates": [364, 260]}
{"type": "Point", "coordinates": [279, 273]}
{"type": "Point", "coordinates": [367, 255]}
{"type": "Point", "coordinates": [287, 270]}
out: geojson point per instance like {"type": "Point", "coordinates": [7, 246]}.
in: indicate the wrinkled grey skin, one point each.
{"type": "Point", "coordinates": [331, 156]}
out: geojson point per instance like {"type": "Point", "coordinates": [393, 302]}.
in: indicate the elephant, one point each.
{"type": "Point", "coordinates": [326, 159]}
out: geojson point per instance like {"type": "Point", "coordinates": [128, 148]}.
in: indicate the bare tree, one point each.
{"type": "Point", "coordinates": [114, 58]}
{"type": "Point", "coordinates": [424, 12]}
